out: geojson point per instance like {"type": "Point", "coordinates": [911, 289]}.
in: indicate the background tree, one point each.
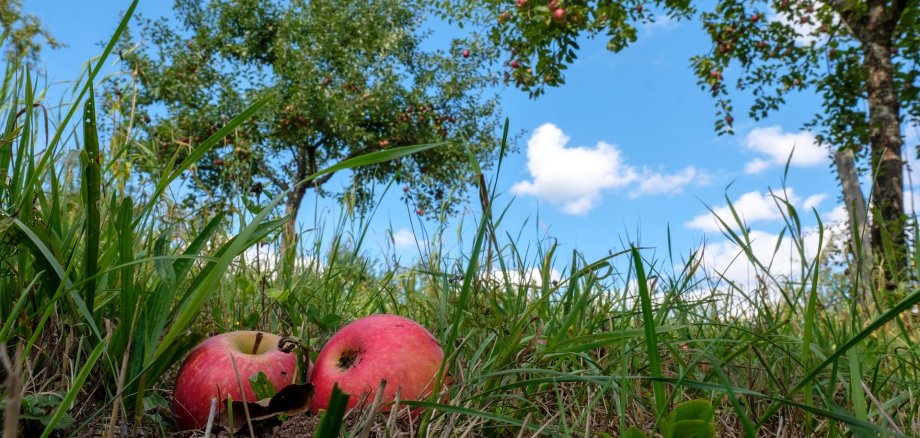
{"type": "Point", "coordinates": [348, 78]}
{"type": "Point", "coordinates": [23, 33]}
{"type": "Point", "coordinates": [861, 56]}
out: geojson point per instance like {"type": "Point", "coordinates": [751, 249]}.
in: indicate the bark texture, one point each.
{"type": "Point", "coordinates": [885, 137]}
{"type": "Point", "coordinates": [855, 202]}
{"type": "Point", "coordinates": [875, 30]}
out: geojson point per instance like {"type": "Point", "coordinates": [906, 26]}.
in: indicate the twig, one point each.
{"type": "Point", "coordinates": [211, 414]}
{"type": "Point", "coordinates": [239, 380]}
{"type": "Point", "coordinates": [881, 408]}
{"type": "Point", "coordinates": [13, 391]}
{"type": "Point", "coordinates": [365, 427]}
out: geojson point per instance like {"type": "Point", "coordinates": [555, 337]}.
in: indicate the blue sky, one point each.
{"type": "Point", "coordinates": [622, 152]}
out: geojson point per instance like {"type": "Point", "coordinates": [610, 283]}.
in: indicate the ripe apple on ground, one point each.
{"type": "Point", "coordinates": [374, 348]}
{"type": "Point", "coordinates": [208, 372]}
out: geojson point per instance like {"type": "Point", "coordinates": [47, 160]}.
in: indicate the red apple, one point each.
{"type": "Point", "coordinates": [515, 64]}
{"type": "Point", "coordinates": [559, 15]}
{"type": "Point", "coordinates": [466, 53]}
{"type": "Point", "coordinates": [208, 372]}
{"type": "Point", "coordinates": [374, 348]}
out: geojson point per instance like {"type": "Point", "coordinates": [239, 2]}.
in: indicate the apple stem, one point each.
{"type": "Point", "coordinates": [255, 345]}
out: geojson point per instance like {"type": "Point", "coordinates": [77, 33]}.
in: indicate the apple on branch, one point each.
{"type": "Point", "coordinates": [374, 348]}
{"type": "Point", "coordinates": [208, 372]}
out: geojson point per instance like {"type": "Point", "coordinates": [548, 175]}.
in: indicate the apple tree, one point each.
{"type": "Point", "coordinates": [347, 78]}
{"type": "Point", "coordinates": [860, 56]}
{"type": "Point", "coordinates": [23, 34]}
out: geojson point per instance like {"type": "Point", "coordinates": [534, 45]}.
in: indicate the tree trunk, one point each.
{"type": "Point", "coordinates": [859, 233]}
{"type": "Point", "coordinates": [305, 166]}
{"type": "Point", "coordinates": [888, 226]}
{"type": "Point", "coordinates": [291, 207]}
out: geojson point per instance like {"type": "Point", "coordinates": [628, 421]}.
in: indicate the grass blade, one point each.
{"type": "Point", "coordinates": [331, 423]}
{"type": "Point", "coordinates": [92, 182]}
{"type": "Point", "coordinates": [651, 337]}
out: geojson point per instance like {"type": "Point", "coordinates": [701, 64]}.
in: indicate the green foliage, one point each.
{"type": "Point", "coordinates": [39, 407]}
{"type": "Point", "coordinates": [331, 422]}
{"type": "Point", "coordinates": [690, 419]}
{"type": "Point", "coordinates": [261, 386]}
{"type": "Point", "coordinates": [23, 33]}
{"type": "Point", "coordinates": [633, 432]}
{"type": "Point", "coordinates": [348, 79]}
{"type": "Point", "coordinates": [542, 36]}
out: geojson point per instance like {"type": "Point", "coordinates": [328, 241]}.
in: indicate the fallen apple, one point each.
{"type": "Point", "coordinates": [208, 372]}
{"type": "Point", "coordinates": [374, 348]}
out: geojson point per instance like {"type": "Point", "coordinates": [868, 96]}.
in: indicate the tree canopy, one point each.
{"type": "Point", "coordinates": [348, 78]}
{"type": "Point", "coordinates": [860, 56]}
{"type": "Point", "coordinates": [23, 33]}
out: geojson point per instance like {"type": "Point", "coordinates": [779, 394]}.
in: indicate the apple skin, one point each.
{"type": "Point", "coordinates": [379, 347]}
{"type": "Point", "coordinates": [208, 372]}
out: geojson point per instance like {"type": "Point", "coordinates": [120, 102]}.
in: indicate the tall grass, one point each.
{"type": "Point", "coordinates": [103, 290]}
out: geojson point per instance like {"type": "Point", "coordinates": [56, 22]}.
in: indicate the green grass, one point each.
{"type": "Point", "coordinates": [104, 268]}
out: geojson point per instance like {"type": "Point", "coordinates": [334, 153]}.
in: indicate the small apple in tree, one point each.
{"type": "Point", "coordinates": [466, 53]}
{"type": "Point", "coordinates": [374, 348]}
{"type": "Point", "coordinates": [208, 372]}
{"type": "Point", "coordinates": [559, 15]}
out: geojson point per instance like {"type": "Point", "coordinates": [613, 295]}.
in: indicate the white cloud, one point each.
{"type": "Point", "coordinates": [813, 201]}
{"type": "Point", "coordinates": [575, 177]}
{"type": "Point", "coordinates": [653, 183]}
{"type": "Point", "coordinates": [660, 22]}
{"type": "Point", "coordinates": [838, 215]}
{"type": "Point", "coordinates": [777, 145]}
{"type": "Point", "coordinates": [756, 165]}
{"type": "Point", "coordinates": [751, 207]}
{"type": "Point", "coordinates": [267, 259]}
{"type": "Point", "coordinates": [528, 277]}
{"type": "Point", "coordinates": [783, 261]}
{"type": "Point", "coordinates": [805, 33]}
{"type": "Point", "coordinates": [403, 238]}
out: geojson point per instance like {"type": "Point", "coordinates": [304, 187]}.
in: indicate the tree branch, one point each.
{"type": "Point", "coordinates": [283, 185]}
{"type": "Point", "coordinates": [893, 14]}
{"type": "Point", "coordinates": [851, 19]}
